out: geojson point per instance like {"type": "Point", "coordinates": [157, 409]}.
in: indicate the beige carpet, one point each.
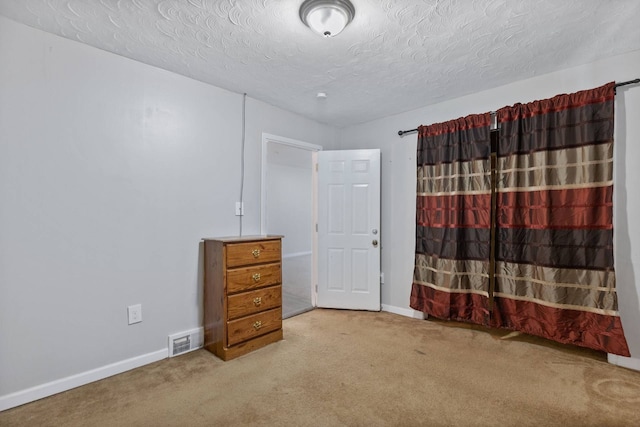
{"type": "Point", "coordinates": [360, 369]}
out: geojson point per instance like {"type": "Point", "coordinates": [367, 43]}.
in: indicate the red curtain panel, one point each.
{"type": "Point", "coordinates": [554, 266]}
{"type": "Point", "coordinates": [453, 220]}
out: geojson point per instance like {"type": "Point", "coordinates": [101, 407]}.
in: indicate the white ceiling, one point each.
{"type": "Point", "coordinates": [397, 55]}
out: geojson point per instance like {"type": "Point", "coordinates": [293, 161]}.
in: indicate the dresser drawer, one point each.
{"type": "Point", "coordinates": [253, 253]}
{"type": "Point", "coordinates": [252, 326]}
{"type": "Point", "coordinates": [247, 303]}
{"type": "Point", "coordinates": [249, 278]}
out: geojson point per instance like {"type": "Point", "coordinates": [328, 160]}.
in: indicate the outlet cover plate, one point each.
{"type": "Point", "coordinates": [134, 313]}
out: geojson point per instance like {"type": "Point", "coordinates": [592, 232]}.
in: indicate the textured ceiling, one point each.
{"type": "Point", "coordinates": [397, 55]}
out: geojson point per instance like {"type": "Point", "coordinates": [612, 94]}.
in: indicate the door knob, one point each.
{"type": "Point", "coordinates": [375, 243]}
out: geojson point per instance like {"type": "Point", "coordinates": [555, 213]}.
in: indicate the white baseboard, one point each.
{"type": "Point", "coordinates": [296, 254]}
{"type": "Point", "coordinates": [38, 392]}
{"type": "Point", "coordinates": [407, 312]}
{"type": "Point", "coordinates": [625, 362]}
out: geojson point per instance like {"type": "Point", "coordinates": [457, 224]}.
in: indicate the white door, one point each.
{"type": "Point", "coordinates": [349, 229]}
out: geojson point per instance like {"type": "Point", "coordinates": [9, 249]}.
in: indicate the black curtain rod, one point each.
{"type": "Point", "coordinates": [402, 132]}
{"type": "Point", "coordinates": [630, 82]}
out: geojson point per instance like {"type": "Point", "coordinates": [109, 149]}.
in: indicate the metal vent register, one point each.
{"type": "Point", "coordinates": [186, 341]}
{"type": "Point", "coordinates": [181, 345]}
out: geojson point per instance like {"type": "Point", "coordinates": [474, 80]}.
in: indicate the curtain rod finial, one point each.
{"type": "Point", "coordinates": [403, 132]}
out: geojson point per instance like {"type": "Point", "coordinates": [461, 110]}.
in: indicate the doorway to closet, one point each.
{"type": "Point", "coordinates": [288, 209]}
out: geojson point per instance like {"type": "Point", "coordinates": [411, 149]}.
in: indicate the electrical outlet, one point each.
{"type": "Point", "coordinates": [135, 313]}
{"type": "Point", "coordinates": [239, 208]}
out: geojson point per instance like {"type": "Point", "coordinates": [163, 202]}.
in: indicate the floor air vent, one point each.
{"type": "Point", "coordinates": [185, 342]}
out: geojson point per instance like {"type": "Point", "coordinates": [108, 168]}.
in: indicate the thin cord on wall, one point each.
{"type": "Point", "coordinates": [244, 108]}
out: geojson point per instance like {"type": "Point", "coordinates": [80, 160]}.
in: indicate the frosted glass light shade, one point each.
{"type": "Point", "coordinates": [327, 17]}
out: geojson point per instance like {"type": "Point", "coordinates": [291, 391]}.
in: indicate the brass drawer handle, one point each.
{"type": "Point", "coordinates": [257, 301]}
{"type": "Point", "coordinates": [255, 253]}
{"type": "Point", "coordinates": [257, 325]}
{"type": "Point", "coordinates": [256, 277]}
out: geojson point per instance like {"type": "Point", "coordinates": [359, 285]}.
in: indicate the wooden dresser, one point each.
{"type": "Point", "coordinates": [242, 294]}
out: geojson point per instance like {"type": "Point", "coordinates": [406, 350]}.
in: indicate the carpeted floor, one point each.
{"type": "Point", "coordinates": [360, 369]}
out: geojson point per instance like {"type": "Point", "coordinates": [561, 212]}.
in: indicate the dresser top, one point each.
{"type": "Point", "coordinates": [244, 238]}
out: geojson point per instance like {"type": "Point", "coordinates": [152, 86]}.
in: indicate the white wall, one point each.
{"type": "Point", "coordinates": [398, 173]}
{"type": "Point", "coordinates": [111, 171]}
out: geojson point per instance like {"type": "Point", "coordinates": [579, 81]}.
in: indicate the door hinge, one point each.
{"type": "Point", "coordinates": [316, 288]}
{"type": "Point", "coordinates": [316, 167]}
{"type": "Point", "coordinates": [316, 227]}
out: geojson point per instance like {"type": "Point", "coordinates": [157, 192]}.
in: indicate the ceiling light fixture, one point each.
{"type": "Point", "coordinates": [327, 17]}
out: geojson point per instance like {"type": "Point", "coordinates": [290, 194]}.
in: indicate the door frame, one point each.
{"type": "Point", "coordinates": [313, 148]}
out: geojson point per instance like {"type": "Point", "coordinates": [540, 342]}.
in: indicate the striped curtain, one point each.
{"type": "Point", "coordinates": [453, 220]}
{"type": "Point", "coordinates": [554, 235]}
